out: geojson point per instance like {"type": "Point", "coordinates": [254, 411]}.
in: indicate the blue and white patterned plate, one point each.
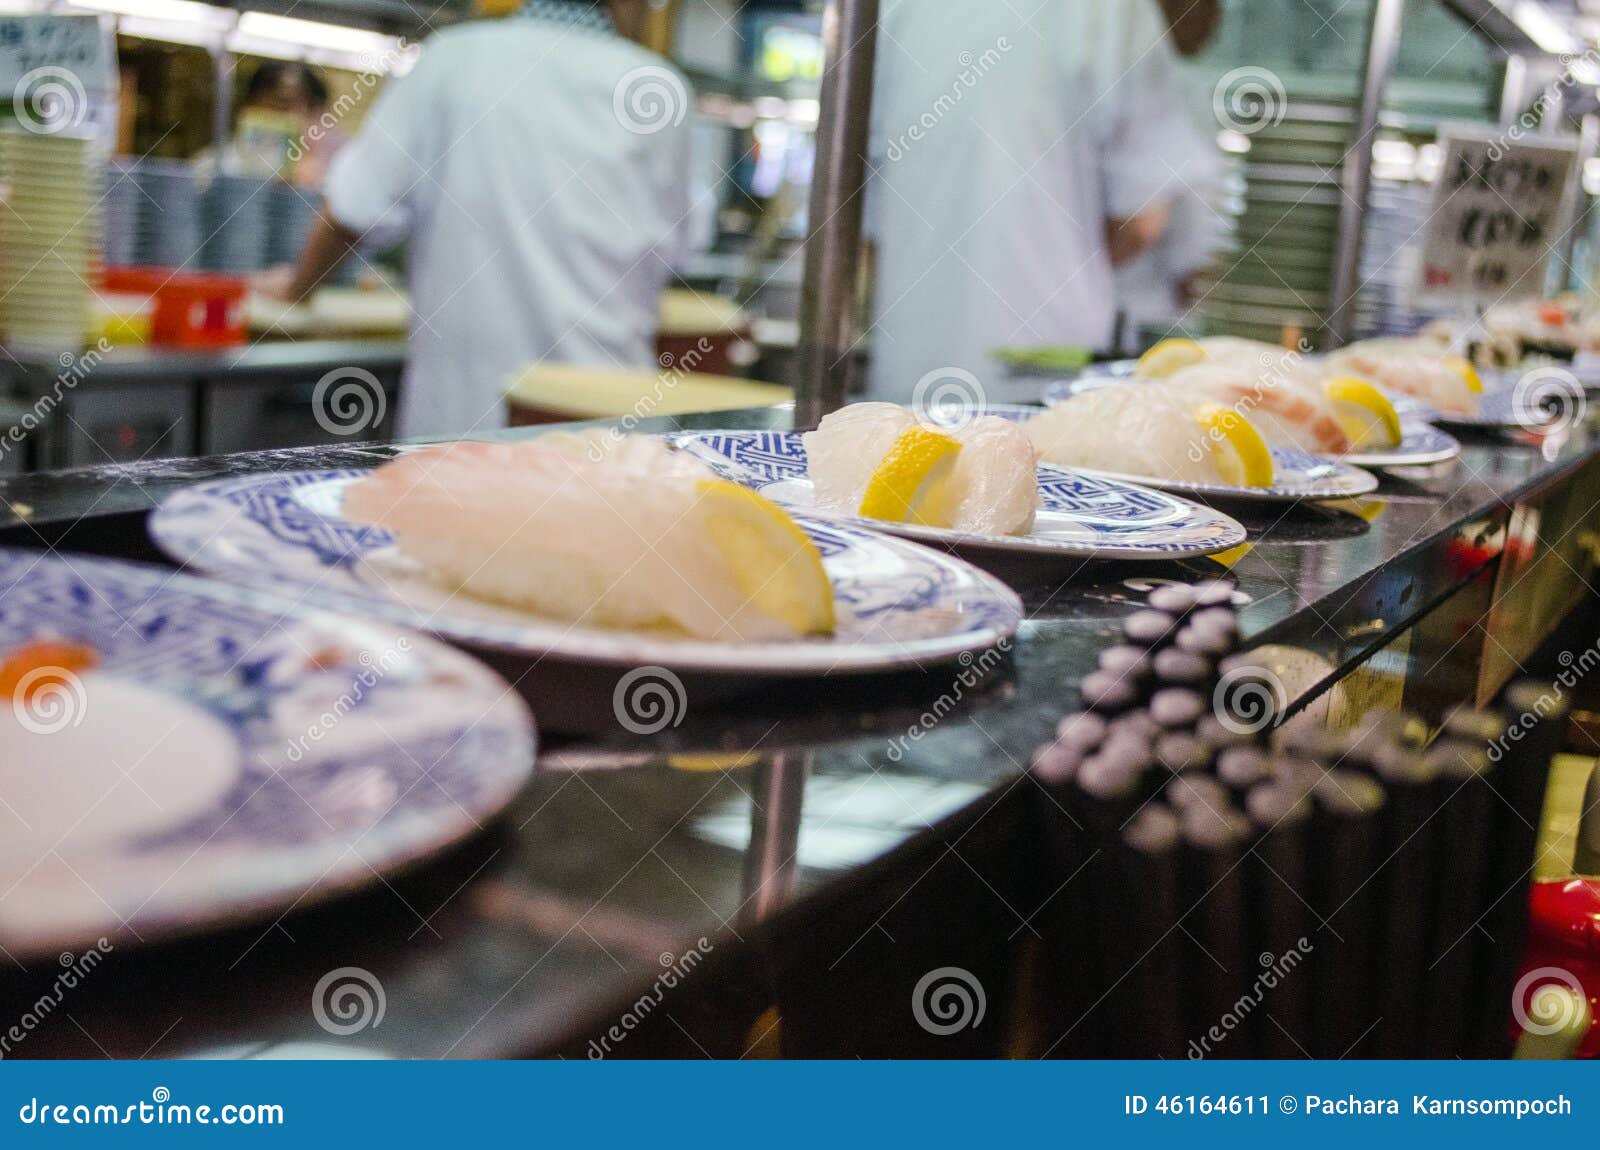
{"type": "Point", "coordinates": [897, 605]}
{"type": "Point", "coordinates": [1421, 443]}
{"type": "Point", "coordinates": [1079, 515]}
{"type": "Point", "coordinates": [226, 757]}
{"type": "Point", "coordinates": [1500, 408]}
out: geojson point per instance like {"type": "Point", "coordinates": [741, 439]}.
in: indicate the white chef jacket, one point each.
{"type": "Point", "coordinates": [1147, 286]}
{"type": "Point", "coordinates": [1003, 139]}
{"type": "Point", "coordinates": [544, 209]}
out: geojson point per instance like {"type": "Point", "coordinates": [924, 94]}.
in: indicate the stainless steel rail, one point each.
{"type": "Point", "coordinates": [1383, 39]}
{"type": "Point", "coordinates": [828, 293]}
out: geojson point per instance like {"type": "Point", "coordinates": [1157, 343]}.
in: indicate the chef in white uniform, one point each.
{"type": "Point", "coordinates": [1155, 291]}
{"type": "Point", "coordinates": [1016, 155]}
{"type": "Point", "coordinates": [539, 166]}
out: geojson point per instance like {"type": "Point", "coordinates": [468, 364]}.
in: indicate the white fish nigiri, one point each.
{"type": "Point", "coordinates": [1288, 409]}
{"type": "Point", "coordinates": [1153, 430]}
{"type": "Point", "coordinates": [979, 477]}
{"type": "Point", "coordinates": [618, 533]}
{"type": "Point", "coordinates": [1412, 367]}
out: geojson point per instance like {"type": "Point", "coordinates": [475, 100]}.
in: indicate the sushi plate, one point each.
{"type": "Point", "coordinates": [898, 605]}
{"type": "Point", "coordinates": [1502, 408]}
{"type": "Point", "coordinates": [1080, 516]}
{"type": "Point", "coordinates": [223, 756]}
{"type": "Point", "coordinates": [1421, 443]}
{"type": "Point", "coordinates": [1300, 474]}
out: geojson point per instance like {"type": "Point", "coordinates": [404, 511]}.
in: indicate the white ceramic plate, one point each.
{"type": "Point", "coordinates": [226, 757]}
{"type": "Point", "coordinates": [898, 605]}
{"type": "Point", "coordinates": [1080, 516]}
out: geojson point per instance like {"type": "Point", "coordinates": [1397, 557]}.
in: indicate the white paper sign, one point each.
{"type": "Point", "coordinates": [1498, 209]}
{"type": "Point", "coordinates": [58, 74]}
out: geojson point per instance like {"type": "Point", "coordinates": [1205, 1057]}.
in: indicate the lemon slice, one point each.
{"type": "Point", "coordinates": [1169, 357]}
{"type": "Point", "coordinates": [1463, 367]}
{"type": "Point", "coordinates": [1240, 454]}
{"type": "Point", "coordinates": [774, 563]}
{"type": "Point", "coordinates": [905, 487]}
{"type": "Point", "coordinates": [1365, 413]}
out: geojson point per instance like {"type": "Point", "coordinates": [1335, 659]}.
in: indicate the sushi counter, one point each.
{"type": "Point", "coordinates": [128, 403]}
{"type": "Point", "coordinates": [779, 870]}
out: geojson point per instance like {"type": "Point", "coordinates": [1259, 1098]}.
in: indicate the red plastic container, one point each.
{"type": "Point", "coordinates": [193, 309]}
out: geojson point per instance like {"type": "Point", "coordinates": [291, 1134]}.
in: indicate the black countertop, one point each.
{"type": "Point", "coordinates": [754, 816]}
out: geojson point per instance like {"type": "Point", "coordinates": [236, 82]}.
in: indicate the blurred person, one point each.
{"type": "Point", "coordinates": [1156, 289]}
{"type": "Point", "coordinates": [1016, 158]}
{"type": "Point", "coordinates": [538, 166]}
{"type": "Point", "coordinates": [280, 99]}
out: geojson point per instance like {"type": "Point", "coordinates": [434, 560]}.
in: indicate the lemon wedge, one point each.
{"type": "Point", "coordinates": [1463, 367]}
{"type": "Point", "coordinates": [906, 486]}
{"type": "Point", "coordinates": [775, 565]}
{"type": "Point", "coordinates": [1169, 357]}
{"type": "Point", "coordinates": [1240, 454]}
{"type": "Point", "coordinates": [1365, 413]}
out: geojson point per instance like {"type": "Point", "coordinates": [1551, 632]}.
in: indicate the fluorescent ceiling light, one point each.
{"type": "Point", "coordinates": [171, 11]}
{"type": "Point", "coordinates": [311, 33]}
{"type": "Point", "coordinates": [1543, 28]}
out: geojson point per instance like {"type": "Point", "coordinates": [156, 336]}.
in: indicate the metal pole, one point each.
{"type": "Point", "coordinates": [1383, 38]}
{"type": "Point", "coordinates": [222, 65]}
{"type": "Point", "coordinates": [828, 292]}
{"type": "Point", "coordinates": [1513, 90]}
{"type": "Point", "coordinates": [1577, 212]}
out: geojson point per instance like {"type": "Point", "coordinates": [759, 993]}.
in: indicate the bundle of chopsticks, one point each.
{"type": "Point", "coordinates": [1233, 887]}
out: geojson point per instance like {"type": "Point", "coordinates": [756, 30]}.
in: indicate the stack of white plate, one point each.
{"type": "Point", "coordinates": [49, 238]}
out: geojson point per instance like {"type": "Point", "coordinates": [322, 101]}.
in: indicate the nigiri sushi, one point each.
{"type": "Point", "coordinates": [1411, 367]}
{"type": "Point", "coordinates": [1293, 408]}
{"type": "Point", "coordinates": [880, 461]}
{"type": "Point", "coordinates": [1170, 356]}
{"type": "Point", "coordinates": [601, 532]}
{"type": "Point", "coordinates": [1154, 430]}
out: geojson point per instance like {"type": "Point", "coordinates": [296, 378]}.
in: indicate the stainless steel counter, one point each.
{"type": "Point", "coordinates": [131, 403]}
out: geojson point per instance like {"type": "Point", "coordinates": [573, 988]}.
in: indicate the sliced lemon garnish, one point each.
{"type": "Point", "coordinates": [1240, 454]}
{"type": "Point", "coordinates": [1169, 357]}
{"type": "Point", "coordinates": [905, 487]}
{"type": "Point", "coordinates": [774, 563]}
{"type": "Point", "coordinates": [1365, 413]}
{"type": "Point", "coordinates": [1463, 367]}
